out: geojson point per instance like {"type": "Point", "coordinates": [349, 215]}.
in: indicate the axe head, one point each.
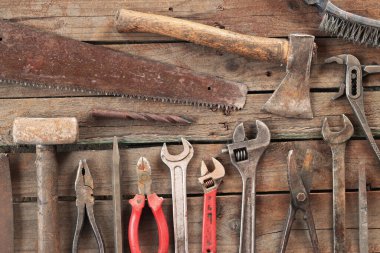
{"type": "Point", "coordinates": [292, 97]}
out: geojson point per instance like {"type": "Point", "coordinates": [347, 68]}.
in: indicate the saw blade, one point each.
{"type": "Point", "coordinates": [32, 57]}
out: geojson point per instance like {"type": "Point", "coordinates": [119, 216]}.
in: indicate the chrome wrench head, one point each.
{"type": "Point", "coordinates": [337, 137]}
{"type": "Point", "coordinates": [211, 180]}
{"type": "Point", "coordinates": [178, 166]}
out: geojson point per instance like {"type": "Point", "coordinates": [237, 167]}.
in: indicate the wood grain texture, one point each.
{"type": "Point", "coordinates": [93, 20]}
{"type": "Point", "coordinates": [207, 126]}
{"type": "Point", "coordinates": [271, 213]}
{"type": "Point", "coordinates": [271, 172]}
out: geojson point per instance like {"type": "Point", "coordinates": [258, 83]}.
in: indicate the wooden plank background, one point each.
{"type": "Point", "coordinates": [92, 21]}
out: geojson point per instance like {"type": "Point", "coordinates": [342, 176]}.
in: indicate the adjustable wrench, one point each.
{"type": "Point", "coordinates": [244, 155]}
{"type": "Point", "coordinates": [337, 142]}
{"type": "Point", "coordinates": [210, 182]}
{"type": "Point", "coordinates": [354, 90]}
{"type": "Point", "coordinates": [178, 166]}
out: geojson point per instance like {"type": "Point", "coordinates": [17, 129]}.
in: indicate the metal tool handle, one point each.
{"type": "Point", "coordinates": [339, 197]}
{"type": "Point", "coordinates": [6, 209]}
{"type": "Point", "coordinates": [137, 204]}
{"type": "Point", "coordinates": [47, 193]}
{"type": "Point", "coordinates": [363, 211]}
{"type": "Point", "coordinates": [209, 222]}
{"type": "Point", "coordinates": [248, 220]}
{"type": "Point", "coordinates": [155, 204]}
{"type": "Point", "coordinates": [288, 226]}
{"type": "Point", "coordinates": [259, 48]}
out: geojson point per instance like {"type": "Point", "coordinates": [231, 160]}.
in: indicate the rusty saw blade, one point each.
{"type": "Point", "coordinates": [31, 57]}
{"type": "Point", "coordinates": [6, 206]}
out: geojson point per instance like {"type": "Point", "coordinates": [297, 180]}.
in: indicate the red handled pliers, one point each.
{"type": "Point", "coordinates": [155, 204]}
{"type": "Point", "coordinates": [210, 182]}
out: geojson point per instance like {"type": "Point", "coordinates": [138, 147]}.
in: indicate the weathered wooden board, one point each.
{"type": "Point", "coordinates": [271, 213]}
{"type": "Point", "coordinates": [208, 125]}
{"type": "Point", "coordinates": [93, 20]}
{"type": "Point", "coordinates": [271, 172]}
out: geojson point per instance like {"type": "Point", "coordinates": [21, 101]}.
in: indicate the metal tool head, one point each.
{"type": "Point", "coordinates": [337, 137]}
{"type": "Point", "coordinates": [262, 135]}
{"type": "Point", "coordinates": [45, 131]}
{"type": "Point", "coordinates": [144, 172]}
{"type": "Point", "coordinates": [211, 180]}
{"type": "Point", "coordinates": [187, 152]}
{"type": "Point", "coordinates": [84, 183]}
{"type": "Point", "coordinates": [292, 97]}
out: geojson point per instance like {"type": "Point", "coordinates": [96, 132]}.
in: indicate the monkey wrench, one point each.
{"type": "Point", "coordinates": [178, 166]}
{"type": "Point", "coordinates": [245, 155]}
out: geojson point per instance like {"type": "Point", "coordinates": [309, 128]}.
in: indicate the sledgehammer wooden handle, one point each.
{"type": "Point", "coordinates": [259, 48]}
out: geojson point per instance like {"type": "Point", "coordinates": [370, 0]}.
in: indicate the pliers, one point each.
{"type": "Point", "coordinates": [300, 181]}
{"type": "Point", "coordinates": [155, 203]}
{"type": "Point", "coordinates": [84, 185]}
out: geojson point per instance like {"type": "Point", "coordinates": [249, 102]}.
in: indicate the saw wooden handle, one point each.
{"type": "Point", "coordinates": [259, 48]}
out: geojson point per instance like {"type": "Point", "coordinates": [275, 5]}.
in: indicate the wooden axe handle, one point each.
{"type": "Point", "coordinates": [259, 48]}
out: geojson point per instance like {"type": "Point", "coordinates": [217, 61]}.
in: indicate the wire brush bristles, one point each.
{"type": "Point", "coordinates": [351, 31]}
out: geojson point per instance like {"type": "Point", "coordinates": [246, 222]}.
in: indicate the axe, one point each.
{"type": "Point", "coordinates": [290, 99]}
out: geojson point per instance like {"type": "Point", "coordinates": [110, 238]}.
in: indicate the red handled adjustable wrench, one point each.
{"type": "Point", "coordinates": [155, 204]}
{"type": "Point", "coordinates": [210, 182]}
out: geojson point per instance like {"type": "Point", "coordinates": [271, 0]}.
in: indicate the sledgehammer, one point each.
{"type": "Point", "coordinates": [45, 133]}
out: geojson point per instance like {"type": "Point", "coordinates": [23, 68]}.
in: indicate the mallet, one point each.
{"type": "Point", "coordinates": [45, 133]}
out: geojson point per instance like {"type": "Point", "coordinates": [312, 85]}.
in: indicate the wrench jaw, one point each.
{"type": "Point", "coordinates": [211, 180]}
{"type": "Point", "coordinates": [337, 137]}
{"type": "Point", "coordinates": [185, 155]}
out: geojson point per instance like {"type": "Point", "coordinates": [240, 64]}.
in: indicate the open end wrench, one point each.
{"type": "Point", "coordinates": [353, 88]}
{"type": "Point", "coordinates": [337, 142]}
{"type": "Point", "coordinates": [245, 155]}
{"type": "Point", "coordinates": [178, 166]}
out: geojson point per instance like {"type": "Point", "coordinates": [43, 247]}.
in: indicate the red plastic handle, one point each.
{"type": "Point", "coordinates": [209, 222]}
{"type": "Point", "coordinates": [155, 204]}
{"type": "Point", "coordinates": [137, 204]}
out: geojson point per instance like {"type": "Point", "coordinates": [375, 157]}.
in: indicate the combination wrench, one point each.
{"type": "Point", "coordinates": [245, 155]}
{"type": "Point", "coordinates": [337, 142]}
{"type": "Point", "coordinates": [178, 166]}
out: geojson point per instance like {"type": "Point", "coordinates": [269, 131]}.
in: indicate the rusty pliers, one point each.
{"type": "Point", "coordinates": [84, 188]}
{"type": "Point", "coordinates": [300, 181]}
{"type": "Point", "coordinates": [353, 88]}
{"type": "Point", "coordinates": [155, 203]}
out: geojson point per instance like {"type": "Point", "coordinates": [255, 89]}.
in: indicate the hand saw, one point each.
{"type": "Point", "coordinates": [32, 57]}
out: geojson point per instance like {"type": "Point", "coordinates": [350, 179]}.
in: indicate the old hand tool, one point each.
{"type": "Point", "coordinates": [337, 142]}
{"type": "Point", "coordinates": [53, 61]}
{"type": "Point", "coordinates": [6, 207]}
{"type": "Point", "coordinates": [44, 133]}
{"type": "Point", "coordinates": [300, 182]}
{"type": "Point", "coordinates": [292, 97]}
{"type": "Point", "coordinates": [128, 115]}
{"type": "Point", "coordinates": [155, 203]}
{"type": "Point", "coordinates": [245, 155]}
{"type": "Point", "coordinates": [363, 211]}
{"type": "Point", "coordinates": [116, 198]}
{"type": "Point", "coordinates": [347, 25]}
{"type": "Point", "coordinates": [84, 188]}
{"type": "Point", "coordinates": [353, 88]}
{"type": "Point", "coordinates": [178, 167]}
{"type": "Point", "coordinates": [210, 182]}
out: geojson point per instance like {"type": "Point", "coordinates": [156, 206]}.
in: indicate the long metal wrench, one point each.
{"type": "Point", "coordinates": [178, 166]}
{"type": "Point", "coordinates": [363, 211]}
{"type": "Point", "coordinates": [245, 155]}
{"type": "Point", "coordinates": [116, 198]}
{"type": "Point", "coordinates": [337, 142]}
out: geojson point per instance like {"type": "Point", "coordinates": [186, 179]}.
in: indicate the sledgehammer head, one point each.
{"type": "Point", "coordinates": [45, 131]}
{"type": "Point", "coordinates": [292, 97]}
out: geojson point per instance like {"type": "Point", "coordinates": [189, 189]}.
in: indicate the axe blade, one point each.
{"type": "Point", "coordinates": [292, 97]}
